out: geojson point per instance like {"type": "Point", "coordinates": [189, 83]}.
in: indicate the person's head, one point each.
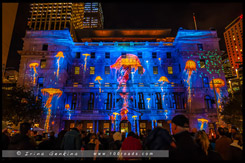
{"type": "Point", "coordinates": [201, 139]}
{"type": "Point", "coordinates": [39, 138]}
{"type": "Point", "coordinates": [237, 137]}
{"type": "Point", "coordinates": [221, 131]}
{"type": "Point", "coordinates": [233, 129]}
{"type": "Point", "coordinates": [51, 134]}
{"type": "Point", "coordinates": [25, 128]}
{"type": "Point", "coordinates": [131, 133]}
{"type": "Point", "coordinates": [194, 130]}
{"type": "Point", "coordinates": [92, 136]}
{"type": "Point", "coordinates": [179, 123]}
{"type": "Point", "coordinates": [79, 125]}
{"type": "Point", "coordinates": [117, 136]}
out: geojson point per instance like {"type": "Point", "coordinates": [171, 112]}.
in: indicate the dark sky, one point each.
{"type": "Point", "coordinates": [171, 15]}
{"type": "Point", "coordinates": [146, 15]}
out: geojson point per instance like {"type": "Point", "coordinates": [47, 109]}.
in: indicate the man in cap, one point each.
{"type": "Point", "coordinates": [186, 148]}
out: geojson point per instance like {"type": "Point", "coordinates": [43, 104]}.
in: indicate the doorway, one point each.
{"type": "Point", "coordinates": [125, 126]}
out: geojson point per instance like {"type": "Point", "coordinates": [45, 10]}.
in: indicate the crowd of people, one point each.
{"type": "Point", "coordinates": [182, 144]}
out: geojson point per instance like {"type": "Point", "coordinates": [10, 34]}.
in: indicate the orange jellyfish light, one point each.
{"type": "Point", "coordinates": [51, 93]}
{"type": "Point", "coordinates": [59, 55]}
{"type": "Point", "coordinates": [128, 63]}
{"type": "Point", "coordinates": [218, 83]}
{"type": "Point", "coordinates": [98, 78]}
{"type": "Point", "coordinates": [34, 65]}
{"type": "Point", "coordinates": [190, 66]}
{"type": "Point", "coordinates": [202, 120]}
{"type": "Point", "coordinates": [85, 60]}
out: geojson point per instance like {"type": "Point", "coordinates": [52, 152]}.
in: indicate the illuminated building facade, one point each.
{"type": "Point", "coordinates": [234, 43]}
{"type": "Point", "coordinates": [124, 80]}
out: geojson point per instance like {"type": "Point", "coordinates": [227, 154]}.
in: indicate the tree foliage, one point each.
{"type": "Point", "coordinates": [232, 109]}
{"type": "Point", "coordinates": [20, 105]}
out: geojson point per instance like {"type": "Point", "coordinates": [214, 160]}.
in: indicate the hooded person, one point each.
{"type": "Point", "coordinates": [186, 148]}
{"type": "Point", "coordinates": [117, 141]}
{"type": "Point", "coordinates": [159, 139]}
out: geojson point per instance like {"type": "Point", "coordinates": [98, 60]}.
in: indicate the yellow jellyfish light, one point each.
{"type": "Point", "coordinates": [34, 65]}
{"type": "Point", "coordinates": [51, 93]}
{"type": "Point", "coordinates": [163, 79]}
{"type": "Point", "coordinates": [85, 60]}
{"type": "Point", "coordinates": [202, 120]}
{"type": "Point", "coordinates": [59, 55]}
{"type": "Point", "coordinates": [134, 117]}
{"type": "Point", "coordinates": [98, 78]}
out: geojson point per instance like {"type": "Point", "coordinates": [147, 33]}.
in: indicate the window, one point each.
{"type": "Point", "coordinates": [140, 70]}
{"type": "Point", "coordinates": [168, 54]}
{"type": "Point", "coordinates": [74, 101]}
{"type": "Point", "coordinates": [200, 47]}
{"type": "Point", "coordinates": [40, 82]}
{"type": "Point", "coordinates": [158, 100]}
{"type": "Point", "coordinates": [208, 102]}
{"type": "Point", "coordinates": [107, 55]}
{"type": "Point", "coordinates": [141, 103]}
{"type": "Point", "coordinates": [108, 101]}
{"type": "Point", "coordinates": [107, 69]}
{"type": "Point", "coordinates": [92, 54]}
{"type": "Point", "coordinates": [170, 70]}
{"type": "Point", "coordinates": [77, 70]}
{"type": "Point", "coordinates": [154, 54]}
{"type": "Point", "coordinates": [45, 47]}
{"type": "Point", "coordinates": [91, 102]}
{"type": "Point", "coordinates": [155, 70]}
{"type": "Point", "coordinates": [92, 68]}
{"type": "Point", "coordinates": [202, 63]}
{"type": "Point", "coordinates": [205, 82]}
{"type": "Point", "coordinates": [43, 63]}
{"type": "Point", "coordinates": [123, 54]}
{"type": "Point", "coordinates": [139, 54]}
{"type": "Point", "coordinates": [78, 54]}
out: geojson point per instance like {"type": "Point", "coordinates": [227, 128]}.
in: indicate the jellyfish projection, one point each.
{"type": "Point", "coordinates": [217, 84]}
{"type": "Point", "coordinates": [67, 107]}
{"type": "Point", "coordinates": [51, 92]}
{"type": "Point", "coordinates": [59, 55]}
{"type": "Point", "coordinates": [203, 121]}
{"type": "Point", "coordinates": [148, 99]}
{"type": "Point", "coordinates": [85, 61]}
{"type": "Point", "coordinates": [125, 65]}
{"type": "Point", "coordinates": [190, 66]}
{"type": "Point", "coordinates": [163, 79]}
{"type": "Point", "coordinates": [33, 66]}
{"type": "Point", "coordinates": [124, 109]}
{"type": "Point", "coordinates": [98, 78]}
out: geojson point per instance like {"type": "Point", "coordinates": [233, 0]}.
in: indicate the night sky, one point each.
{"type": "Point", "coordinates": [147, 15]}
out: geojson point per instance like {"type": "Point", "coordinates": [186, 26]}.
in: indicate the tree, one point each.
{"type": "Point", "coordinates": [232, 110]}
{"type": "Point", "coordinates": [20, 105]}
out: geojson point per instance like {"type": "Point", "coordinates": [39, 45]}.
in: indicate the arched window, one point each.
{"type": "Point", "coordinates": [208, 102]}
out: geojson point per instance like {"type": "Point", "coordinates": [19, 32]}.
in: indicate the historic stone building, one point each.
{"type": "Point", "coordinates": [124, 79]}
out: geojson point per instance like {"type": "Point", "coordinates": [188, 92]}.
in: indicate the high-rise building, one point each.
{"type": "Point", "coordinates": [234, 43]}
{"type": "Point", "coordinates": [58, 16]}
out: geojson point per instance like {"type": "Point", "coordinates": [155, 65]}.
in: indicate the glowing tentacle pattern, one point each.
{"type": "Point", "coordinates": [127, 63]}
{"type": "Point", "coordinates": [190, 66]}
{"type": "Point", "coordinates": [34, 65]}
{"type": "Point", "coordinates": [59, 55]}
{"type": "Point", "coordinates": [51, 93]}
{"type": "Point", "coordinates": [85, 61]}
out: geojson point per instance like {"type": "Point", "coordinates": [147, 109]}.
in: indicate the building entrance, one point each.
{"type": "Point", "coordinates": [125, 126]}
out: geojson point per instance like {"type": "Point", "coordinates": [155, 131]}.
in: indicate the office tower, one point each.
{"type": "Point", "coordinates": [234, 43]}
{"type": "Point", "coordinates": [58, 16]}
